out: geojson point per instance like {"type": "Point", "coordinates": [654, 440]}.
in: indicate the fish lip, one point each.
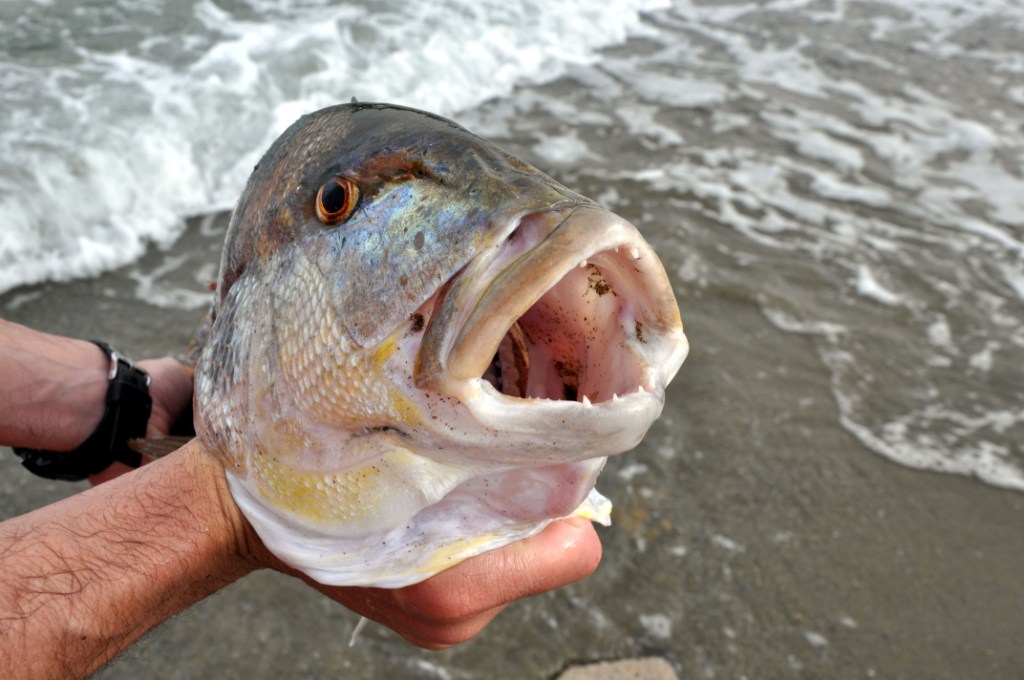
{"type": "Point", "coordinates": [531, 258]}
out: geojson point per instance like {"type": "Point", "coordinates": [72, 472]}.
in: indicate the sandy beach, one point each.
{"type": "Point", "coordinates": [752, 537]}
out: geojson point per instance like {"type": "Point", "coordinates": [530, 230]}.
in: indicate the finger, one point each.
{"type": "Point", "coordinates": [437, 638]}
{"type": "Point", "coordinates": [381, 606]}
{"type": "Point", "coordinates": [171, 390]}
{"type": "Point", "coordinates": [566, 551]}
{"type": "Point", "coordinates": [455, 605]}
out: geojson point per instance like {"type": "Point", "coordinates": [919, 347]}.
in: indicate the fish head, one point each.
{"type": "Point", "coordinates": [407, 317]}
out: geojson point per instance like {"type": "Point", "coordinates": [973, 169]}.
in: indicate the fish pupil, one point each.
{"type": "Point", "coordinates": [334, 197]}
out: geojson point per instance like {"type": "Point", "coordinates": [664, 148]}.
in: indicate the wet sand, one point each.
{"type": "Point", "coordinates": [752, 537]}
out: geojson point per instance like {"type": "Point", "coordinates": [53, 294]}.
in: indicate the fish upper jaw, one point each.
{"type": "Point", "coordinates": [555, 344]}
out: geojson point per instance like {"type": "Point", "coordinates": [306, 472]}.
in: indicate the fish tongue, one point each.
{"type": "Point", "coordinates": [513, 361]}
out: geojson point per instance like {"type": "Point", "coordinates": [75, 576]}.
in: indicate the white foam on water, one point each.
{"type": "Point", "coordinates": [149, 286]}
{"type": "Point", "coordinates": [815, 639]}
{"type": "Point", "coordinates": [939, 334]}
{"type": "Point", "coordinates": [900, 179]}
{"type": "Point", "coordinates": [982, 360]}
{"type": "Point", "coordinates": [869, 287]}
{"type": "Point", "coordinates": [630, 471]}
{"type": "Point", "coordinates": [820, 145]}
{"type": "Point", "coordinates": [786, 322]}
{"type": "Point", "coordinates": [109, 143]}
{"type": "Point", "coordinates": [640, 121]}
{"type": "Point", "coordinates": [427, 668]}
{"type": "Point", "coordinates": [833, 188]}
{"type": "Point", "coordinates": [564, 149]}
{"type": "Point", "coordinates": [923, 440]}
{"type": "Point", "coordinates": [727, 543]}
{"type": "Point", "coordinates": [682, 93]}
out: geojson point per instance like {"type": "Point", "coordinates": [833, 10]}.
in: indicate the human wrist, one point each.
{"type": "Point", "coordinates": [55, 388]}
{"type": "Point", "coordinates": [232, 538]}
{"type": "Point", "coordinates": [74, 381]}
{"type": "Point", "coordinates": [126, 414]}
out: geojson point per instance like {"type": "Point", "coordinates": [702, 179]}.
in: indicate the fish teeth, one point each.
{"type": "Point", "coordinates": [635, 252]}
{"type": "Point", "coordinates": [583, 264]}
{"type": "Point", "coordinates": [586, 402]}
{"type": "Point", "coordinates": [615, 397]}
{"type": "Point", "coordinates": [640, 389]}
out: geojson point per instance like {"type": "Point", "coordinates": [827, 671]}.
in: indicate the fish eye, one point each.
{"type": "Point", "coordinates": [336, 200]}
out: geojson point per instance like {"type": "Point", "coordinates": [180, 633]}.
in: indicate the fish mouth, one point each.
{"type": "Point", "coordinates": [565, 330]}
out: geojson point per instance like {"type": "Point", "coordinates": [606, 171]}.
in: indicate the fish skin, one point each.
{"type": "Point", "coordinates": [339, 382]}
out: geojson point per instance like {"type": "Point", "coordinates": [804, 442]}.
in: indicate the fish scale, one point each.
{"type": "Point", "coordinates": [333, 380]}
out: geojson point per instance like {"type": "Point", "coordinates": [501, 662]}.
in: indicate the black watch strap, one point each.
{"type": "Point", "coordinates": [125, 416]}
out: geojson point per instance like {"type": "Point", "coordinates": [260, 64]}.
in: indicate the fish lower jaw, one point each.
{"type": "Point", "coordinates": [540, 431]}
{"type": "Point", "coordinates": [583, 403]}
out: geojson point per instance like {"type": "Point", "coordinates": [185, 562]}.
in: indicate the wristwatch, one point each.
{"type": "Point", "coordinates": [125, 416]}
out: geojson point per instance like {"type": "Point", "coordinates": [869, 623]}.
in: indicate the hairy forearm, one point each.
{"type": "Point", "coordinates": [82, 579]}
{"type": "Point", "coordinates": [53, 388]}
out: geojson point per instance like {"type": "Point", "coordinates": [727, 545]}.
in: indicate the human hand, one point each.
{"type": "Point", "coordinates": [456, 604]}
{"type": "Point", "coordinates": [170, 388]}
{"type": "Point", "coordinates": [119, 559]}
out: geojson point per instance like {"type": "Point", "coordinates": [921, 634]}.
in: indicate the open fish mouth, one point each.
{"type": "Point", "coordinates": [567, 326]}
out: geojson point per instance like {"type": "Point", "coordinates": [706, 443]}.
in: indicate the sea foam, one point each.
{"type": "Point", "coordinates": [113, 137]}
{"type": "Point", "coordinates": [870, 162]}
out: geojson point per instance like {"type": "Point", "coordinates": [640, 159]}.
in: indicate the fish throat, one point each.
{"type": "Point", "coordinates": [572, 344]}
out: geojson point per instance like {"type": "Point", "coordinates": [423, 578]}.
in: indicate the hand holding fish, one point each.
{"type": "Point", "coordinates": [456, 604]}
{"type": "Point", "coordinates": [86, 577]}
{"type": "Point", "coordinates": [171, 391]}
